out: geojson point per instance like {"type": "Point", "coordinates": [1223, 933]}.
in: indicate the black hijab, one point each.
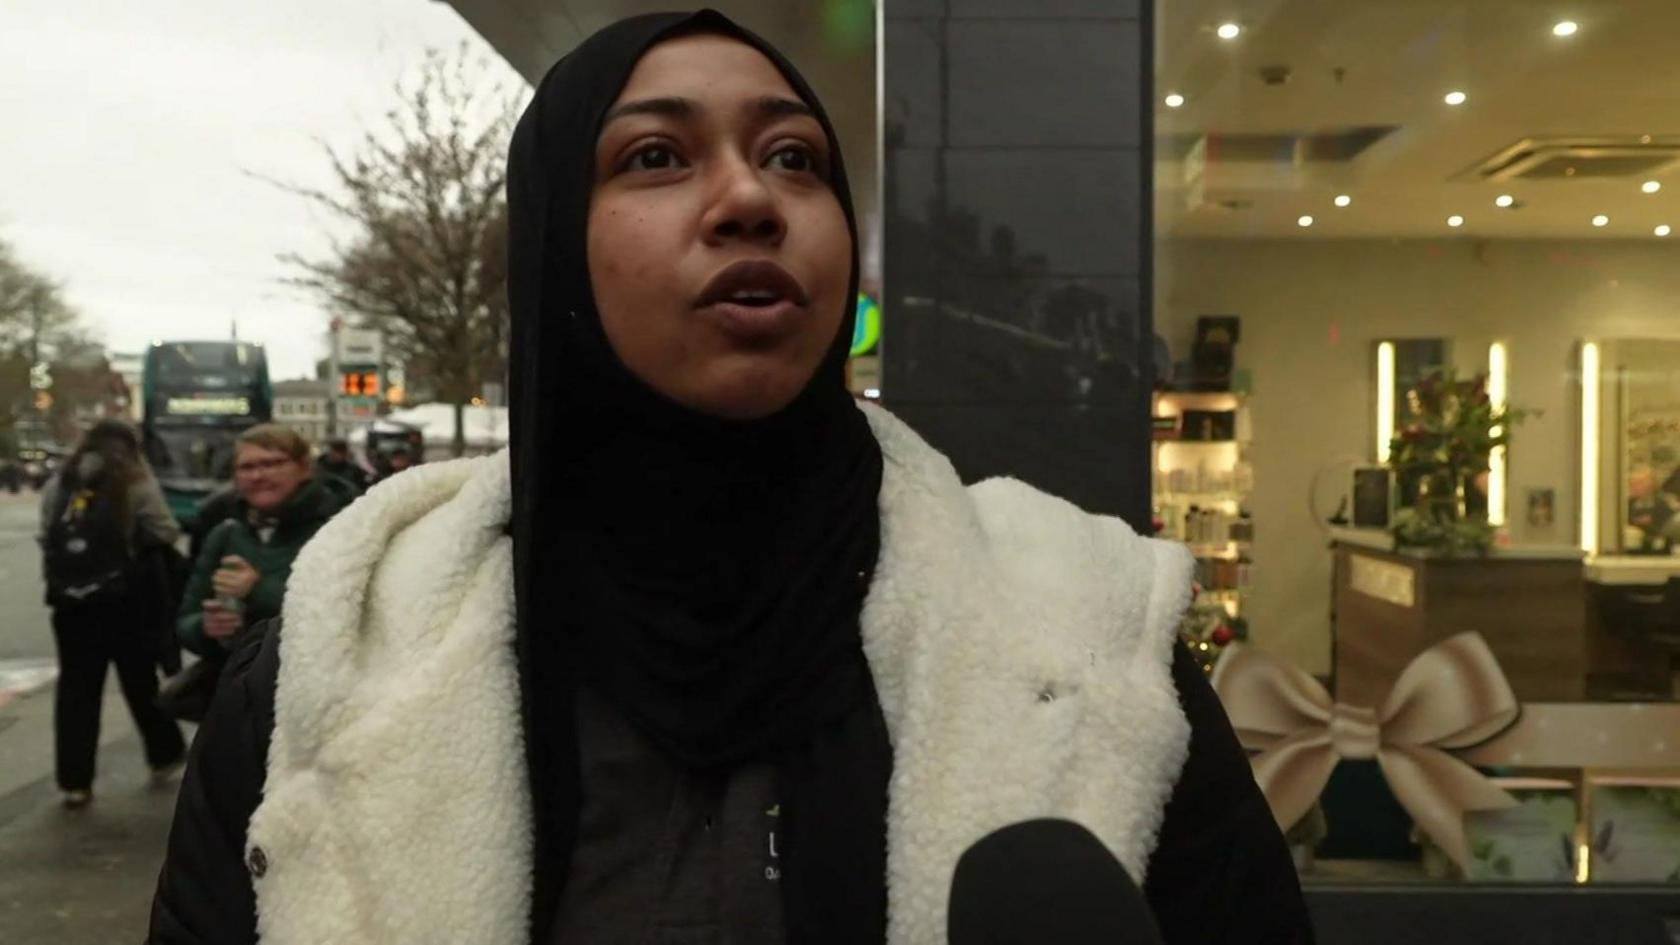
{"type": "Point", "coordinates": [704, 576]}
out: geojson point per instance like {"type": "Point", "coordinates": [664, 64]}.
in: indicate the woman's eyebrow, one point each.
{"type": "Point", "coordinates": [775, 106]}
{"type": "Point", "coordinates": [685, 109]}
{"type": "Point", "coordinates": [670, 107]}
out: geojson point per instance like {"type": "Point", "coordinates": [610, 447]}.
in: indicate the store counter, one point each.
{"type": "Point", "coordinates": [1529, 603]}
{"type": "Point", "coordinates": [1623, 570]}
{"type": "Point", "coordinates": [1564, 629]}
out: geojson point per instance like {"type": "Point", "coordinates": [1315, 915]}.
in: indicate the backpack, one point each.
{"type": "Point", "coordinates": [86, 551]}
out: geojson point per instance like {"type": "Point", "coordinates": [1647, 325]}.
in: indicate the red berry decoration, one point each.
{"type": "Point", "coordinates": [1222, 635]}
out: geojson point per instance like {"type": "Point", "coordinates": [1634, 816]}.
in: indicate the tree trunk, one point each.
{"type": "Point", "coordinates": [458, 447]}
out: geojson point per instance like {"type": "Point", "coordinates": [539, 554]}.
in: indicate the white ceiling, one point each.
{"type": "Point", "coordinates": [1390, 63]}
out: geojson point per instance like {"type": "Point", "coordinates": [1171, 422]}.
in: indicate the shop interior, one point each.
{"type": "Point", "coordinates": [1417, 305]}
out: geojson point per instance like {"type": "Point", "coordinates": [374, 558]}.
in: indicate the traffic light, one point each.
{"type": "Point", "coordinates": [359, 384]}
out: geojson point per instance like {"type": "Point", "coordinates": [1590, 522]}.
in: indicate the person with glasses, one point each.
{"type": "Point", "coordinates": [239, 577]}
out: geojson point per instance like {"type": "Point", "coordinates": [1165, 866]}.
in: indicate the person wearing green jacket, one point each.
{"type": "Point", "coordinates": [239, 577]}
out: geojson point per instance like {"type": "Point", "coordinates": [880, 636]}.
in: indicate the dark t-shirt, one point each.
{"type": "Point", "coordinates": [668, 855]}
{"type": "Point", "coordinates": [671, 856]}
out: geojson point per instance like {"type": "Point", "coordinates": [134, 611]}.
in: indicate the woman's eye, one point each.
{"type": "Point", "coordinates": [799, 159]}
{"type": "Point", "coordinates": [654, 157]}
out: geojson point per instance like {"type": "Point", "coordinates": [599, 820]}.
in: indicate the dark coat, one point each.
{"type": "Point", "coordinates": [353, 475]}
{"type": "Point", "coordinates": [1219, 874]}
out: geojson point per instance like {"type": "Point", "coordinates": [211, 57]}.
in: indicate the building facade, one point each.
{"type": "Point", "coordinates": [304, 406]}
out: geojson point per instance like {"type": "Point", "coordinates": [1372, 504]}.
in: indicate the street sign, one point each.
{"type": "Point", "coordinates": [358, 383]}
{"type": "Point", "coordinates": [358, 408]}
{"type": "Point", "coordinates": [360, 346]}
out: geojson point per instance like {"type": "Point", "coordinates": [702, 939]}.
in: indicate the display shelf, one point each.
{"type": "Point", "coordinates": [1214, 485]}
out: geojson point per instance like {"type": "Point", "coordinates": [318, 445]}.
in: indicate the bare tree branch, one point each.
{"type": "Point", "coordinates": [424, 198]}
{"type": "Point", "coordinates": [37, 321]}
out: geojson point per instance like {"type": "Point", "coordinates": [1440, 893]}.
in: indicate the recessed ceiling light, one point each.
{"type": "Point", "coordinates": [1601, 220]}
{"type": "Point", "coordinates": [1455, 221]}
{"type": "Point", "coordinates": [1304, 221]}
{"type": "Point", "coordinates": [1504, 200]}
{"type": "Point", "coordinates": [1566, 28]}
{"type": "Point", "coordinates": [1343, 200]}
{"type": "Point", "coordinates": [1456, 98]}
{"type": "Point", "coordinates": [1663, 230]}
{"type": "Point", "coordinates": [1651, 186]}
{"type": "Point", "coordinates": [1229, 31]}
{"type": "Point", "coordinates": [1175, 100]}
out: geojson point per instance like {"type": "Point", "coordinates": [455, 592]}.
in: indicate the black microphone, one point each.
{"type": "Point", "coordinates": [1047, 882]}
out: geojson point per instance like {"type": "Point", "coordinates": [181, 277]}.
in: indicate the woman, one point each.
{"type": "Point", "coordinates": [100, 517]}
{"type": "Point", "coordinates": [239, 577]}
{"type": "Point", "coordinates": [753, 665]}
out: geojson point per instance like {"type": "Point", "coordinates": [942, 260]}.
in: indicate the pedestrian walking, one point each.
{"type": "Point", "coordinates": [399, 459]}
{"type": "Point", "coordinates": [715, 654]}
{"type": "Point", "coordinates": [337, 462]}
{"type": "Point", "coordinates": [100, 517]}
{"type": "Point", "coordinates": [239, 576]}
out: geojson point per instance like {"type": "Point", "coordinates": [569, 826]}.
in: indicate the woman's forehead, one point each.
{"type": "Point", "coordinates": [709, 68]}
{"type": "Point", "coordinates": [257, 450]}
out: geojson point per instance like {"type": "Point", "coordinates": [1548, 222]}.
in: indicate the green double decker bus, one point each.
{"type": "Point", "coordinates": [199, 396]}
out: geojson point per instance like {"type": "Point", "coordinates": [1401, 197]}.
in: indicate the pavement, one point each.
{"type": "Point", "coordinates": [66, 877]}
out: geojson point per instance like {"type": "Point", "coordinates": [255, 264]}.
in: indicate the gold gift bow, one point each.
{"type": "Point", "coordinates": [1451, 696]}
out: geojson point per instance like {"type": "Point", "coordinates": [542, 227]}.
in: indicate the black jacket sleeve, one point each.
{"type": "Point", "coordinates": [204, 894]}
{"type": "Point", "coordinates": [1221, 873]}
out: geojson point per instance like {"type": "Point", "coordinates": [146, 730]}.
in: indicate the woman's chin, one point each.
{"type": "Point", "coordinates": [751, 395]}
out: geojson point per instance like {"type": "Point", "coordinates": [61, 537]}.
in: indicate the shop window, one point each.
{"type": "Point", "coordinates": [1418, 417]}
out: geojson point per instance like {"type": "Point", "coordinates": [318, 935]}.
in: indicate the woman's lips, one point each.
{"type": "Point", "coordinates": [755, 276]}
{"type": "Point", "coordinates": [755, 323]}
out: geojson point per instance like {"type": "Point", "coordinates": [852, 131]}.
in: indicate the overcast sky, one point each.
{"type": "Point", "coordinates": [126, 129]}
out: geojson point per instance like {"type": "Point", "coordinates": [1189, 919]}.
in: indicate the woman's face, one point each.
{"type": "Point", "coordinates": [266, 478]}
{"type": "Point", "coordinates": [718, 253]}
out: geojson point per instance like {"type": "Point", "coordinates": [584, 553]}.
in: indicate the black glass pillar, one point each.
{"type": "Point", "coordinates": [1016, 249]}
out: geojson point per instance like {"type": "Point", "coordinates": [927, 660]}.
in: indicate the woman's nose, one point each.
{"type": "Point", "coordinates": [745, 208]}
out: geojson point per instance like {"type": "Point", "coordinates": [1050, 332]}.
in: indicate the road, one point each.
{"type": "Point", "coordinates": [65, 877]}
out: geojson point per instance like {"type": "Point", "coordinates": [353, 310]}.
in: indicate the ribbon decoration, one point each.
{"type": "Point", "coordinates": [1451, 696]}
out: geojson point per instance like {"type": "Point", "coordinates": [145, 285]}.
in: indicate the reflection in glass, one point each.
{"type": "Point", "coordinates": [1647, 380]}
